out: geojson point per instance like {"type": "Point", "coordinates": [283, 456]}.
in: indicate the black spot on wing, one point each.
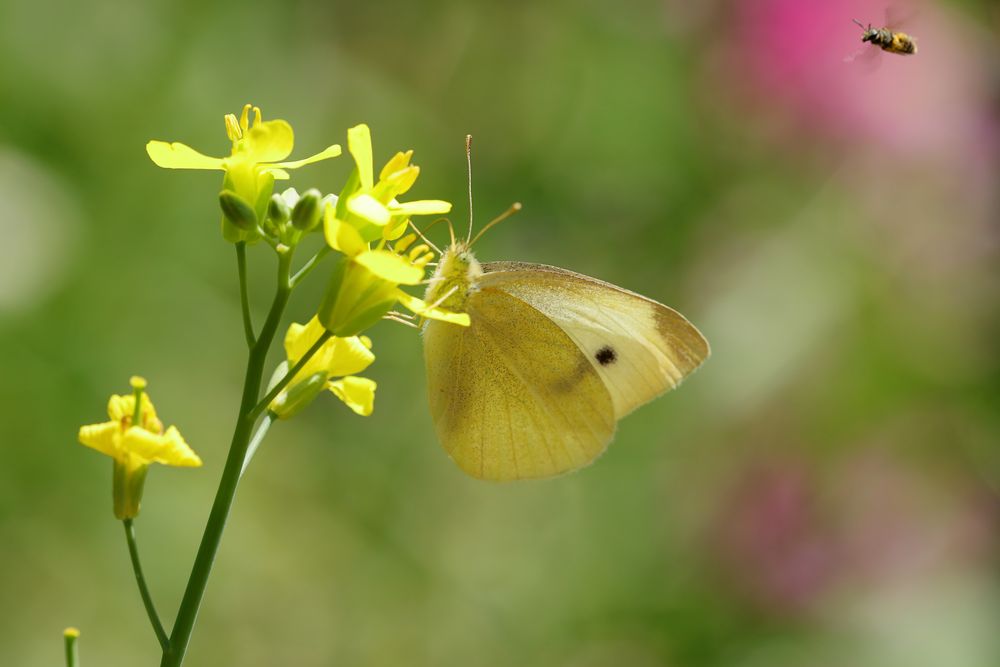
{"type": "Point", "coordinates": [606, 355]}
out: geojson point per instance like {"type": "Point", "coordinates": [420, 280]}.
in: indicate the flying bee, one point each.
{"type": "Point", "coordinates": [887, 40]}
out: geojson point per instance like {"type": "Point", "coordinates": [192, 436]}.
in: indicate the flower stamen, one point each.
{"type": "Point", "coordinates": [233, 130]}
{"type": "Point", "coordinates": [244, 125]}
{"type": "Point", "coordinates": [417, 251]}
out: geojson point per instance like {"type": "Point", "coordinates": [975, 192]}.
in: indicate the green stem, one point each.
{"type": "Point", "coordinates": [267, 239]}
{"type": "Point", "coordinates": [310, 265]}
{"type": "Point", "coordinates": [293, 371]}
{"type": "Point", "coordinates": [147, 599]}
{"type": "Point", "coordinates": [241, 265]}
{"type": "Point", "coordinates": [180, 637]}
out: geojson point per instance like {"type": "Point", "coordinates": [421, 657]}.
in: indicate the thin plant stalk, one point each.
{"type": "Point", "coordinates": [187, 614]}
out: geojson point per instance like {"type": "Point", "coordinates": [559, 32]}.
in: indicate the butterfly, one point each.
{"type": "Point", "coordinates": [552, 359]}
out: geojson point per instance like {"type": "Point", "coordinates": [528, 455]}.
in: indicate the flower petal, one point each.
{"type": "Point", "coordinates": [122, 407]}
{"type": "Point", "coordinates": [325, 154]}
{"type": "Point", "coordinates": [102, 437]}
{"type": "Point", "coordinates": [398, 162]}
{"type": "Point", "coordinates": [420, 307]}
{"type": "Point", "coordinates": [357, 393]}
{"type": "Point", "coordinates": [359, 143]}
{"type": "Point", "coordinates": [168, 448]}
{"type": "Point", "coordinates": [300, 337]}
{"type": "Point", "coordinates": [395, 229]}
{"type": "Point", "coordinates": [180, 156]}
{"type": "Point", "coordinates": [421, 207]}
{"type": "Point", "coordinates": [268, 141]}
{"type": "Point", "coordinates": [370, 209]}
{"type": "Point", "coordinates": [390, 266]}
{"type": "Point", "coordinates": [395, 184]}
{"type": "Point", "coordinates": [349, 356]}
{"type": "Point", "coordinates": [180, 453]}
{"type": "Point", "coordinates": [399, 182]}
{"type": "Point", "coordinates": [342, 236]}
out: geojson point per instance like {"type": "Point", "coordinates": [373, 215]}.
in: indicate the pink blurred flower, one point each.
{"type": "Point", "coordinates": [788, 536]}
{"type": "Point", "coordinates": [771, 538]}
{"type": "Point", "coordinates": [790, 54]}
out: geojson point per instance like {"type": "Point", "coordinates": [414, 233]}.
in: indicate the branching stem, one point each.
{"type": "Point", "coordinates": [180, 637]}
{"type": "Point", "coordinates": [292, 372]}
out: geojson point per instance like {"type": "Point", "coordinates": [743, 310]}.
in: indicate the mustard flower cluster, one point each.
{"type": "Point", "coordinates": [363, 229]}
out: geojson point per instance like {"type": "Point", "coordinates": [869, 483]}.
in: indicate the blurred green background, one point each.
{"type": "Point", "coordinates": [822, 492]}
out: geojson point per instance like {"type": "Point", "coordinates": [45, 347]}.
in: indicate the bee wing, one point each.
{"type": "Point", "coordinates": [869, 56]}
{"type": "Point", "coordinates": [899, 16]}
{"type": "Point", "coordinates": [852, 57]}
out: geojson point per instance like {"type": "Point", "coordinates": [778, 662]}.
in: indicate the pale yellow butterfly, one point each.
{"type": "Point", "coordinates": [534, 387]}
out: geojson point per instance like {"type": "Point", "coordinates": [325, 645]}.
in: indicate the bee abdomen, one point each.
{"type": "Point", "coordinates": [902, 43]}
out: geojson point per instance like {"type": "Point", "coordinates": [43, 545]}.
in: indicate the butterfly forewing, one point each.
{"type": "Point", "coordinates": [512, 396]}
{"type": "Point", "coordinates": [638, 347]}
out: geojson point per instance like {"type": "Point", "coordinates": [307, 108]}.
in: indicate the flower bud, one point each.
{"type": "Point", "coordinates": [308, 210]}
{"type": "Point", "coordinates": [237, 210]}
{"type": "Point", "coordinates": [355, 299]}
{"type": "Point", "coordinates": [278, 211]}
{"type": "Point", "coordinates": [298, 395]}
{"type": "Point", "coordinates": [70, 637]}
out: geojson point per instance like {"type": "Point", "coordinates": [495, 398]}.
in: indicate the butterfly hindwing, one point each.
{"type": "Point", "coordinates": [512, 396]}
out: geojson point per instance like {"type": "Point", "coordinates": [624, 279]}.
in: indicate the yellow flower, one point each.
{"type": "Point", "coordinates": [338, 358]}
{"type": "Point", "coordinates": [365, 285]}
{"type": "Point", "coordinates": [134, 439]}
{"type": "Point", "coordinates": [253, 165]}
{"type": "Point", "coordinates": [372, 207]}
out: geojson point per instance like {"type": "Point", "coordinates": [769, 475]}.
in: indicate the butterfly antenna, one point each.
{"type": "Point", "coordinates": [514, 208]}
{"type": "Point", "coordinates": [451, 231]}
{"type": "Point", "coordinates": [468, 164]}
{"type": "Point", "coordinates": [424, 238]}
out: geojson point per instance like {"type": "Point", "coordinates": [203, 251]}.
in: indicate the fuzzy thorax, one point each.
{"type": "Point", "coordinates": [455, 279]}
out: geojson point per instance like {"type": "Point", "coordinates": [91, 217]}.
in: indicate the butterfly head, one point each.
{"type": "Point", "coordinates": [458, 270]}
{"type": "Point", "coordinates": [456, 277]}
